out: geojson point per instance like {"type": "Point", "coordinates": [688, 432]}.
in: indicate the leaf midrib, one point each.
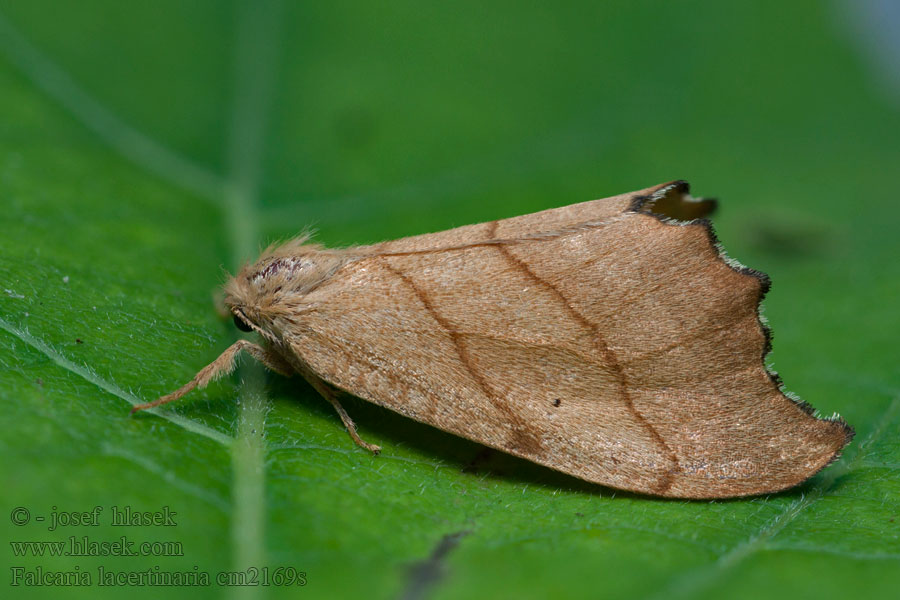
{"type": "Point", "coordinates": [255, 58]}
{"type": "Point", "coordinates": [236, 195]}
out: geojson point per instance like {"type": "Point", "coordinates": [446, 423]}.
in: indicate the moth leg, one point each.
{"type": "Point", "coordinates": [223, 366]}
{"type": "Point", "coordinates": [331, 394]}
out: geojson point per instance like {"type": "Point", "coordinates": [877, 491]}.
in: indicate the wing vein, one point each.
{"type": "Point", "coordinates": [606, 353]}
{"type": "Point", "coordinates": [522, 437]}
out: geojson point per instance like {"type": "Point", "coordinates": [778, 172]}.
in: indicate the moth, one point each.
{"type": "Point", "coordinates": [611, 340]}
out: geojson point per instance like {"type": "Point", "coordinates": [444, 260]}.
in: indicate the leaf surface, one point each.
{"type": "Point", "coordinates": [143, 148]}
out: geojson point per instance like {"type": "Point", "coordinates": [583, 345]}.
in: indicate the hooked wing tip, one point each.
{"type": "Point", "coordinates": [673, 200]}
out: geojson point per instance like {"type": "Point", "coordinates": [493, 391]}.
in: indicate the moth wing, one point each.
{"type": "Point", "coordinates": [629, 354]}
{"type": "Point", "coordinates": [403, 347]}
{"type": "Point", "coordinates": [552, 219]}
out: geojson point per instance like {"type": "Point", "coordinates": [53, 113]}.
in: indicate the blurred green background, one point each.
{"type": "Point", "coordinates": [144, 146]}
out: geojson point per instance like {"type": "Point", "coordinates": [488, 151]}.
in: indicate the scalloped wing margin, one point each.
{"type": "Point", "coordinates": [673, 205]}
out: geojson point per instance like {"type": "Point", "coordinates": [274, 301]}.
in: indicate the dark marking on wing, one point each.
{"type": "Point", "coordinates": [521, 438]}
{"type": "Point", "coordinates": [607, 355]}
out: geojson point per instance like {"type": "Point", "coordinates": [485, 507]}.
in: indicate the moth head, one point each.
{"type": "Point", "coordinates": [271, 291]}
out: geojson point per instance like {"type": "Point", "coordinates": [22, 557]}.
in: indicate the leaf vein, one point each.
{"type": "Point", "coordinates": [87, 374]}
{"type": "Point", "coordinates": [109, 127]}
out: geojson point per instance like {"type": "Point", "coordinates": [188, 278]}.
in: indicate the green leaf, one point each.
{"type": "Point", "coordinates": [144, 146]}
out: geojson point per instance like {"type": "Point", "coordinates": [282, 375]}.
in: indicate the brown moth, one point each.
{"type": "Point", "coordinates": [611, 340]}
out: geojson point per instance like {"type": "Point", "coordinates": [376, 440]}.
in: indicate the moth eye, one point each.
{"type": "Point", "coordinates": [240, 324]}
